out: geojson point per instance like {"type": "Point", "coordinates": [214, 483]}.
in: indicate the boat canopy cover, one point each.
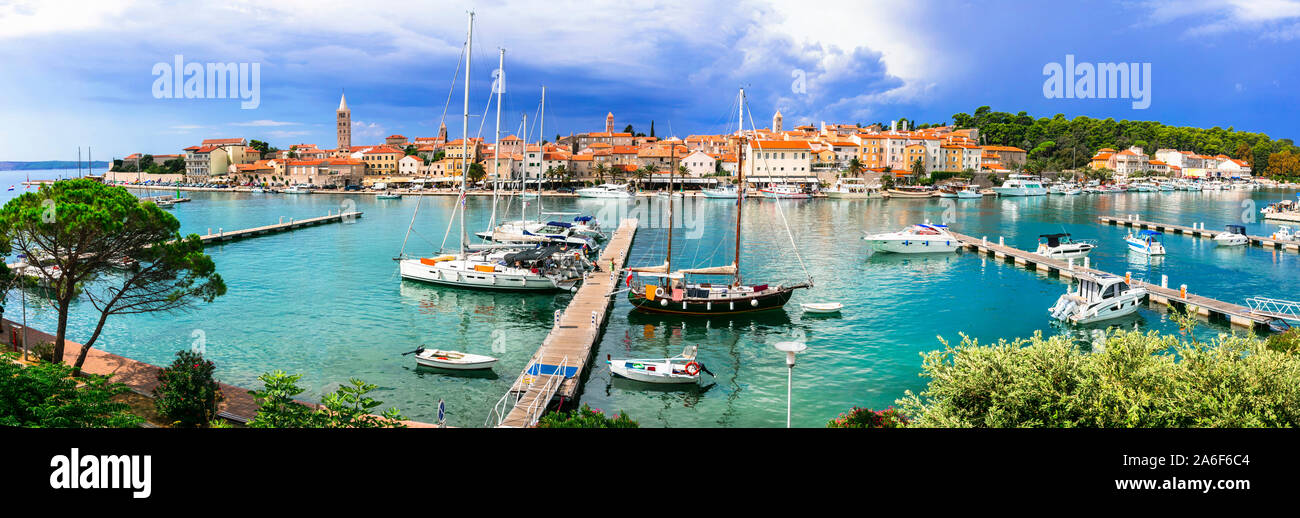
{"type": "Point", "coordinates": [1237, 229]}
{"type": "Point", "coordinates": [1054, 240]}
{"type": "Point", "coordinates": [663, 268]}
{"type": "Point", "coordinates": [729, 269]}
{"type": "Point", "coordinates": [534, 254]}
{"type": "Point", "coordinates": [559, 224]}
{"type": "Point", "coordinates": [1148, 233]}
{"type": "Point", "coordinates": [583, 219]}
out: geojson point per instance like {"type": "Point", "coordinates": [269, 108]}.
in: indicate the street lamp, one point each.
{"type": "Point", "coordinates": [790, 348]}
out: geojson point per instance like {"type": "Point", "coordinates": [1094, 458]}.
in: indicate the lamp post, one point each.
{"type": "Point", "coordinates": [789, 348]}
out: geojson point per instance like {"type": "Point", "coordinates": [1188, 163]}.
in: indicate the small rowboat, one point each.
{"type": "Point", "coordinates": [679, 369]}
{"type": "Point", "coordinates": [454, 360]}
{"type": "Point", "coordinates": [822, 307]}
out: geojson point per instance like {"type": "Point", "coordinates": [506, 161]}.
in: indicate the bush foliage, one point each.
{"type": "Point", "coordinates": [46, 395]}
{"type": "Point", "coordinates": [586, 417]}
{"type": "Point", "coordinates": [858, 417]}
{"type": "Point", "coordinates": [1136, 380]}
{"type": "Point", "coordinates": [347, 407]}
{"type": "Point", "coordinates": [187, 394]}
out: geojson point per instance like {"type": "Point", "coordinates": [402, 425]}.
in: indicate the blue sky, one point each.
{"type": "Point", "coordinates": [78, 73]}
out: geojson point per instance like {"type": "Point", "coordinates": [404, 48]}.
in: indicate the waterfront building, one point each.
{"type": "Point", "coordinates": [1012, 156]}
{"type": "Point", "coordinates": [409, 165]}
{"type": "Point", "coordinates": [778, 161]}
{"type": "Point", "coordinates": [335, 172]}
{"type": "Point", "coordinates": [379, 160]}
{"type": "Point", "coordinates": [699, 163]}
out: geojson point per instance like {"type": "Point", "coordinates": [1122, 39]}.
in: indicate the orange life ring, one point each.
{"type": "Point", "coordinates": [692, 368]}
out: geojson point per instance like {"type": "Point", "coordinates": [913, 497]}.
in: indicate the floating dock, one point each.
{"type": "Point", "coordinates": [556, 369]}
{"type": "Point", "coordinates": [1260, 241]}
{"type": "Point", "coordinates": [283, 226]}
{"type": "Point", "coordinates": [1240, 316]}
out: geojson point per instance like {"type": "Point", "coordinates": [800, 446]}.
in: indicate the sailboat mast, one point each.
{"type": "Point", "coordinates": [464, 141]}
{"type": "Point", "coordinates": [523, 182]}
{"type": "Point", "coordinates": [740, 176]}
{"type": "Point", "coordinates": [541, 152]}
{"type": "Point", "coordinates": [496, 138]}
{"type": "Point", "coordinates": [672, 175]}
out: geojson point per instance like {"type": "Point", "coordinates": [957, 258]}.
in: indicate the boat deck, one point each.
{"type": "Point", "coordinates": [556, 369]}
{"type": "Point", "coordinates": [1236, 315]}
{"type": "Point", "coordinates": [1260, 241]}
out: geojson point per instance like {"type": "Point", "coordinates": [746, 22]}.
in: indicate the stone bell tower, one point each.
{"type": "Point", "coordinates": [344, 117]}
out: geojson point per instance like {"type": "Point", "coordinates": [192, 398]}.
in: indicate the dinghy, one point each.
{"type": "Point", "coordinates": [679, 369]}
{"type": "Point", "coordinates": [822, 307]}
{"type": "Point", "coordinates": [454, 360]}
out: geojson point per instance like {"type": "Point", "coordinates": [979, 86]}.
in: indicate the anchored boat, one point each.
{"type": "Point", "coordinates": [1145, 242]}
{"type": "Point", "coordinates": [1233, 235]}
{"type": "Point", "coordinates": [679, 369]}
{"type": "Point", "coordinates": [454, 360]}
{"type": "Point", "coordinates": [918, 239]}
{"type": "Point", "coordinates": [1061, 246]}
{"type": "Point", "coordinates": [1097, 298]}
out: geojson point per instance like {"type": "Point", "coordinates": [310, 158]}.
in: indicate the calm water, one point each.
{"type": "Point", "coordinates": [326, 302]}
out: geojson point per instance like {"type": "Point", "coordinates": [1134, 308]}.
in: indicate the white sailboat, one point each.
{"type": "Point", "coordinates": [547, 268]}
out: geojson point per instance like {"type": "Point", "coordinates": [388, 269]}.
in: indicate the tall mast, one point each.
{"type": "Point", "coordinates": [672, 175]}
{"type": "Point", "coordinates": [496, 139]}
{"type": "Point", "coordinates": [464, 141]}
{"type": "Point", "coordinates": [541, 152]}
{"type": "Point", "coordinates": [523, 182]}
{"type": "Point", "coordinates": [740, 175]}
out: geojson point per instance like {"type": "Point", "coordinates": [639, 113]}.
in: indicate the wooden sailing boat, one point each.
{"type": "Point", "coordinates": [663, 290]}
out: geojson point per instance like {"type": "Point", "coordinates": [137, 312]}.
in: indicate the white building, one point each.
{"type": "Point", "coordinates": [699, 164]}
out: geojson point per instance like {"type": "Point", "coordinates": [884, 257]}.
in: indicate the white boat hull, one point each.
{"type": "Point", "coordinates": [454, 360]}
{"type": "Point", "coordinates": [632, 372]}
{"type": "Point", "coordinates": [914, 246]}
{"type": "Point", "coordinates": [1020, 191]}
{"type": "Point", "coordinates": [1231, 240]}
{"type": "Point", "coordinates": [461, 273]}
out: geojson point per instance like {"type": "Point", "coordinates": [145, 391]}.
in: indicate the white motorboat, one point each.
{"type": "Point", "coordinates": [1097, 298]}
{"type": "Point", "coordinates": [724, 192]}
{"type": "Point", "coordinates": [822, 307]}
{"type": "Point", "coordinates": [852, 188]}
{"type": "Point", "coordinates": [454, 360]}
{"type": "Point", "coordinates": [257, 190]}
{"type": "Point", "coordinates": [970, 192]}
{"type": "Point", "coordinates": [1233, 235]}
{"type": "Point", "coordinates": [1021, 185]}
{"type": "Point", "coordinates": [919, 239]}
{"type": "Point", "coordinates": [1061, 246]}
{"type": "Point", "coordinates": [297, 189]}
{"type": "Point", "coordinates": [1145, 242]}
{"type": "Point", "coordinates": [789, 192]}
{"type": "Point", "coordinates": [531, 233]}
{"type": "Point", "coordinates": [390, 195]}
{"type": "Point", "coordinates": [608, 190]}
{"type": "Point", "coordinates": [1284, 233]}
{"type": "Point", "coordinates": [676, 370]}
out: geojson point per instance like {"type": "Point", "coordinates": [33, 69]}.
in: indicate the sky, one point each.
{"type": "Point", "coordinates": [87, 73]}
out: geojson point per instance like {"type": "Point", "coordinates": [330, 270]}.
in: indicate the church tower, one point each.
{"type": "Point", "coordinates": [344, 117]}
{"type": "Point", "coordinates": [778, 122]}
{"type": "Point", "coordinates": [609, 123]}
{"type": "Point", "coordinates": [442, 132]}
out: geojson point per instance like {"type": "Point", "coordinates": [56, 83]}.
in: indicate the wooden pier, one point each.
{"type": "Point", "coordinates": [1240, 316]}
{"type": "Point", "coordinates": [283, 226]}
{"type": "Point", "coordinates": [1260, 241]}
{"type": "Point", "coordinates": [556, 369]}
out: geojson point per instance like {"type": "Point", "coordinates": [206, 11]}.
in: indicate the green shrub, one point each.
{"type": "Point", "coordinates": [858, 417]}
{"type": "Point", "coordinates": [186, 393]}
{"type": "Point", "coordinates": [585, 417]}
{"type": "Point", "coordinates": [46, 395]}
{"type": "Point", "coordinates": [1288, 342]}
{"type": "Point", "coordinates": [347, 407]}
{"type": "Point", "coordinates": [1136, 380]}
{"type": "Point", "coordinates": [43, 351]}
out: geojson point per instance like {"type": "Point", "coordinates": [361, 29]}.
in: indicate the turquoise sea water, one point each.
{"type": "Point", "coordinates": [326, 302]}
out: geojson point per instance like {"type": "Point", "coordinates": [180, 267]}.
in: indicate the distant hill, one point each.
{"type": "Point", "coordinates": [49, 164]}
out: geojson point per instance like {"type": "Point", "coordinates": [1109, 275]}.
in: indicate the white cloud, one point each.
{"type": "Point", "coordinates": [1269, 19]}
